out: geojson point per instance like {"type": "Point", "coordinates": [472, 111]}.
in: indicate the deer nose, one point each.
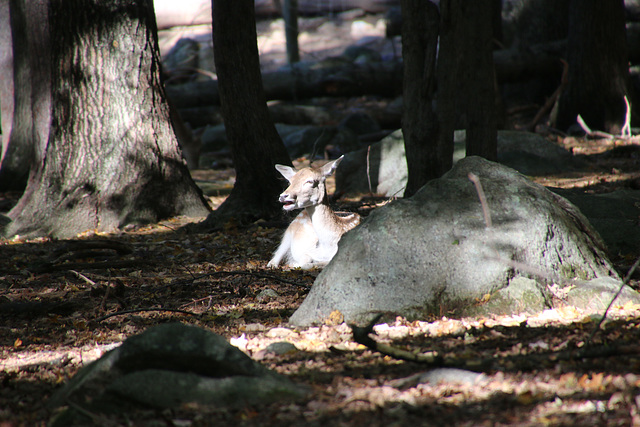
{"type": "Point", "coordinates": [283, 197]}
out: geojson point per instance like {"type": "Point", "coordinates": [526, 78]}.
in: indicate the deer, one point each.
{"type": "Point", "coordinates": [311, 240]}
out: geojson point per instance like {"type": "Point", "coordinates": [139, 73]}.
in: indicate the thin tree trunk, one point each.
{"type": "Point", "coordinates": [255, 144]}
{"type": "Point", "coordinates": [25, 92]}
{"type": "Point", "coordinates": [428, 157]}
{"type": "Point", "coordinates": [111, 158]}
{"type": "Point", "coordinates": [466, 81]}
{"type": "Point", "coordinates": [598, 66]}
{"type": "Point", "coordinates": [290, 15]}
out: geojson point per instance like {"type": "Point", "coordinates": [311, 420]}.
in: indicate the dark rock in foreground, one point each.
{"type": "Point", "coordinates": [167, 366]}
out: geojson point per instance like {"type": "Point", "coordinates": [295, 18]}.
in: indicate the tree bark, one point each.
{"type": "Point", "coordinates": [111, 158]}
{"type": "Point", "coordinates": [26, 92]}
{"type": "Point", "coordinates": [428, 157]}
{"type": "Point", "coordinates": [466, 79]}
{"type": "Point", "coordinates": [598, 66]}
{"type": "Point", "coordinates": [255, 144]}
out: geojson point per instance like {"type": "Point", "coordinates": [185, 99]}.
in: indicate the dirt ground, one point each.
{"type": "Point", "coordinates": [64, 303]}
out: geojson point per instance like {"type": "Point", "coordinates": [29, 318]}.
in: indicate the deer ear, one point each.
{"type": "Point", "coordinates": [287, 171]}
{"type": "Point", "coordinates": [331, 167]}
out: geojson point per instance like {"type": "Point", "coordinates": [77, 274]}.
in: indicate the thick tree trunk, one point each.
{"type": "Point", "coordinates": [255, 144]}
{"type": "Point", "coordinates": [466, 80]}
{"type": "Point", "coordinates": [598, 66]}
{"type": "Point", "coordinates": [111, 158]}
{"type": "Point", "coordinates": [427, 156]}
{"type": "Point", "coordinates": [26, 90]}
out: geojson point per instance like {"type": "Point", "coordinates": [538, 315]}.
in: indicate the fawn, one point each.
{"type": "Point", "coordinates": [311, 240]}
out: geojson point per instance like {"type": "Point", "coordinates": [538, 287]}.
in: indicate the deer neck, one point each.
{"type": "Point", "coordinates": [324, 223]}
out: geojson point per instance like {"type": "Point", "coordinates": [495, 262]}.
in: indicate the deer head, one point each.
{"type": "Point", "coordinates": [307, 187]}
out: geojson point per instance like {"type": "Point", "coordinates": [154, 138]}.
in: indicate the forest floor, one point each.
{"type": "Point", "coordinates": [64, 303]}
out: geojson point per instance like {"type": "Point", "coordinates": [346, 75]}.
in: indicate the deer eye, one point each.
{"type": "Point", "coordinates": [312, 182]}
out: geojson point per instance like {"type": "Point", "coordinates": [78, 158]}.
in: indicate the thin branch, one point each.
{"type": "Point", "coordinates": [244, 273]}
{"type": "Point", "coordinates": [583, 125]}
{"type": "Point", "coordinates": [100, 265]}
{"type": "Point", "coordinates": [553, 99]}
{"type": "Point", "coordinates": [83, 277]}
{"type": "Point", "coordinates": [606, 311]}
{"type": "Point", "coordinates": [196, 301]}
{"type": "Point", "coordinates": [592, 133]}
{"type": "Point", "coordinates": [142, 310]}
{"type": "Point", "coordinates": [368, 170]}
{"type": "Point", "coordinates": [626, 129]}
{"type": "Point", "coordinates": [361, 336]}
{"type": "Point", "coordinates": [103, 304]}
{"type": "Point", "coordinates": [95, 418]}
{"type": "Point", "coordinates": [483, 199]}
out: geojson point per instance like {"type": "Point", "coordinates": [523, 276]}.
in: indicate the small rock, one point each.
{"type": "Point", "coordinates": [267, 295]}
{"type": "Point", "coordinates": [281, 348]}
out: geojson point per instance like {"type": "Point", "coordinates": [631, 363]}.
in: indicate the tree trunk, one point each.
{"type": "Point", "coordinates": [428, 157]}
{"type": "Point", "coordinates": [466, 80]}
{"type": "Point", "coordinates": [111, 158]}
{"type": "Point", "coordinates": [255, 144]}
{"type": "Point", "coordinates": [598, 66]}
{"type": "Point", "coordinates": [26, 91]}
{"type": "Point", "coordinates": [290, 15]}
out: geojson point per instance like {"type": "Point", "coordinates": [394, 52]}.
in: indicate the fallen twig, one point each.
{"type": "Point", "coordinates": [626, 129]}
{"type": "Point", "coordinates": [241, 273]}
{"type": "Point", "coordinates": [83, 277]}
{"type": "Point", "coordinates": [142, 310]}
{"type": "Point", "coordinates": [361, 336]}
{"type": "Point", "coordinates": [101, 265]}
{"type": "Point", "coordinates": [592, 133]}
{"type": "Point", "coordinates": [625, 132]}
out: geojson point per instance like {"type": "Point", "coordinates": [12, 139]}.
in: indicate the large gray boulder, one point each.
{"type": "Point", "coordinates": [432, 253]}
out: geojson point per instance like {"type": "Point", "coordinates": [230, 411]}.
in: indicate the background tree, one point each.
{"type": "Point", "coordinates": [255, 144]}
{"type": "Point", "coordinates": [598, 66]}
{"type": "Point", "coordinates": [466, 77]}
{"type": "Point", "coordinates": [25, 95]}
{"type": "Point", "coordinates": [428, 156]}
{"type": "Point", "coordinates": [111, 157]}
{"type": "Point", "coordinates": [465, 84]}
